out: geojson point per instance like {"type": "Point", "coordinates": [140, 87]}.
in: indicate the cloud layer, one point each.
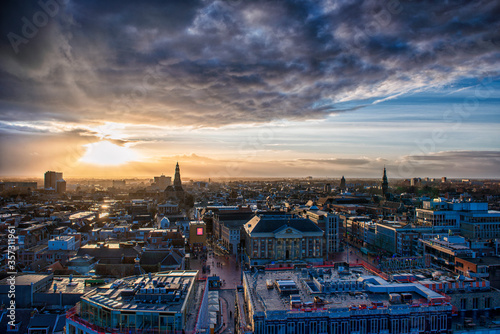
{"type": "Point", "coordinates": [213, 63]}
{"type": "Point", "coordinates": [248, 86]}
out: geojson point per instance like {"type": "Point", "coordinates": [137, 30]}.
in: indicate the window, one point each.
{"type": "Point", "coordinates": [414, 323]}
{"type": "Point", "coordinates": [334, 328]}
{"type": "Point", "coordinates": [281, 329]}
{"type": "Point", "coordinates": [344, 327]}
{"type": "Point", "coordinates": [384, 324]}
{"type": "Point", "coordinates": [395, 326]}
{"type": "Point", "coordinates": [474, 303]}
{"type": "Point", "coordinates": [301, 328]}
{"type": "Point", "coordinates": [434, 323]}
{"type": "Point", "coordinates": [404, 326]}
{"type": "Point", "coordinates": [259, 327]}
{"type": "Point", "coordinates": [463, 303]}
{"type": "Point", "coordinates": [270, 329]}
{"type": "Point", "coordinates": [313, 325]}
{"type": "Point", "coordinates": [290, 328]}
{"type": "Point", "coordinates": [323, 327]}
{"type": "Point", "coordinates": [443, 322]}
{"type": "Point", "coordinates": [362, 326]}
{"type": "Point", "coordinates": [374, 325]}
{"type": "Point", "coordinates": [354, 325]}
{"type": "Point", "coordinates": [487, 302]}
{"type": "Point", "coordinates": [421, 323]}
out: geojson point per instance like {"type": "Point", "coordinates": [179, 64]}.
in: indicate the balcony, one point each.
{"type": "Point", "coordinates": [73, 315]}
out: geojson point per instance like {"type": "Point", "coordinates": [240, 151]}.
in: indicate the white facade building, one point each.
{"type": "Point", "coordinates": [64, 242]}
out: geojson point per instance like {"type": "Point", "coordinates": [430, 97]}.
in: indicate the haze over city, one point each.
{"type": "Point", "coordinates": [250, 88]}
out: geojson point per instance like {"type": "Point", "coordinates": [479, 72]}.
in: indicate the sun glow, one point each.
{"type": "Point", "coordinates": [108, 154]}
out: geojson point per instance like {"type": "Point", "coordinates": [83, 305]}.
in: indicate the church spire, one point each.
{"type": "Point", "coordinates": [385, 183]}
{"type": "Point", "coordinates": [177, 178]}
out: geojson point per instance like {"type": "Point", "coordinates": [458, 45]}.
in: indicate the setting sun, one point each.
{"type": "Point", "coordinates": [106, 153]}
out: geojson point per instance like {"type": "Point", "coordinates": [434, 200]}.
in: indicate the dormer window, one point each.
{"type": "Point", "coordinates": [13, 328]}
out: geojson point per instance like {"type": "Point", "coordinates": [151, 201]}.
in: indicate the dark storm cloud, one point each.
{"type": "Point", "coordinates": [223, 62]}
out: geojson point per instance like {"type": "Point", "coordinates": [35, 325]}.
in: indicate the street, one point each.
{"type": "Point", "coordinates": [228, 270]}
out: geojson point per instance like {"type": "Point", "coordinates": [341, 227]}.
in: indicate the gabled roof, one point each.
{"type": "Point", "coordinates": [165, 258]}
{"type": "Point", "coordinates": [172, 259]}
{"type": "Point", "coordinates": [43, 321]}
{"type": "Point", "coordinates": [22, 316]}
{"type": "Point", "coordinates": [286, 229]}
{"type": "Point", "coordinates": [272, 223]}
{"type": "Point", "coordinates": [153, 257]}
{"type": "Point", "coordinates": [61, 323]}
{"type": "Point", "coordinates": [109, 252]}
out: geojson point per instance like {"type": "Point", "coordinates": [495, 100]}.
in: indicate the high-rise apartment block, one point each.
{"type": "Point", "coordinates": [60, 186]}
{"type": "Point", "coordinates": [51, 178]}
{"type": "Point", "coordinates": [162, 182]}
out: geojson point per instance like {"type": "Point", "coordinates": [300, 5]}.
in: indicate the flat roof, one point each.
{"type": "Point", "coordinates": [142, 293]}
{"type": "Point", "coordinates": [485, 260]}
{"type": "Point", "coordinates": [77, 285]}
{"type": "Point", "coordinates": [82, 215]}
{"type": "Point", "coordinates": [445, 244]}
{"type": "Point", "coordinates": [371, 289]}
{"type": "Point", "coordinates": [106, 245]}
{"type": "Point", "coordinates": [26, 279]}
{"type": "Point", "coordinates": [62, 238]}
{"type": "Point", "coordinates": [38, 248]}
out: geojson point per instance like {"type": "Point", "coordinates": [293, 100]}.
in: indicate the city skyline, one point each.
{"type": "Point", "coordinates": [250, 89]}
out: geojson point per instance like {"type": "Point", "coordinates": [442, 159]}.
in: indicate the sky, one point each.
{"type": "Point", "coordinates": [250, 88]}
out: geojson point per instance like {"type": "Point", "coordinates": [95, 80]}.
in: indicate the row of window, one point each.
{"type": "Point", "coordinates": [480, 219]}
{"type": "Point", "coordinates": [139, 320]}
{"type": "Point", "coordinates": [465, 303]}
{"type": "Point", "coordinates": [361, 326]}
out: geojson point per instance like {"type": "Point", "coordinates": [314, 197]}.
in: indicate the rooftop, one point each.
{"type": "Point", "coordinates": [446, 244]}
{"type": "Point", "coordinates": [332, 290]}
{"type": "Point", "coordinates": [75, 285]}
{"type": "Point", "coordinates": [62, 238]}
{"type": "Point", "coordinates": [26, 279]}
{"type": "Point", "coordinates": [162, 291]}
{"type": "Point", "coordinates": [484, 260]}
{"type": "Point", "coordinates": [82, 215]}
{"type": "Point", "coordinates": [37, 248]}
{"type": "Point", "coordinates": [272, 223]}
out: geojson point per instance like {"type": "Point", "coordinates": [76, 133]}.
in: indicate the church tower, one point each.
{"type": "Point", "coordinates": [385, 183]}
{"type": "Point", "coordinates": [177, 178]}
{"type": "Point", "coordinates": [175, 192]}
